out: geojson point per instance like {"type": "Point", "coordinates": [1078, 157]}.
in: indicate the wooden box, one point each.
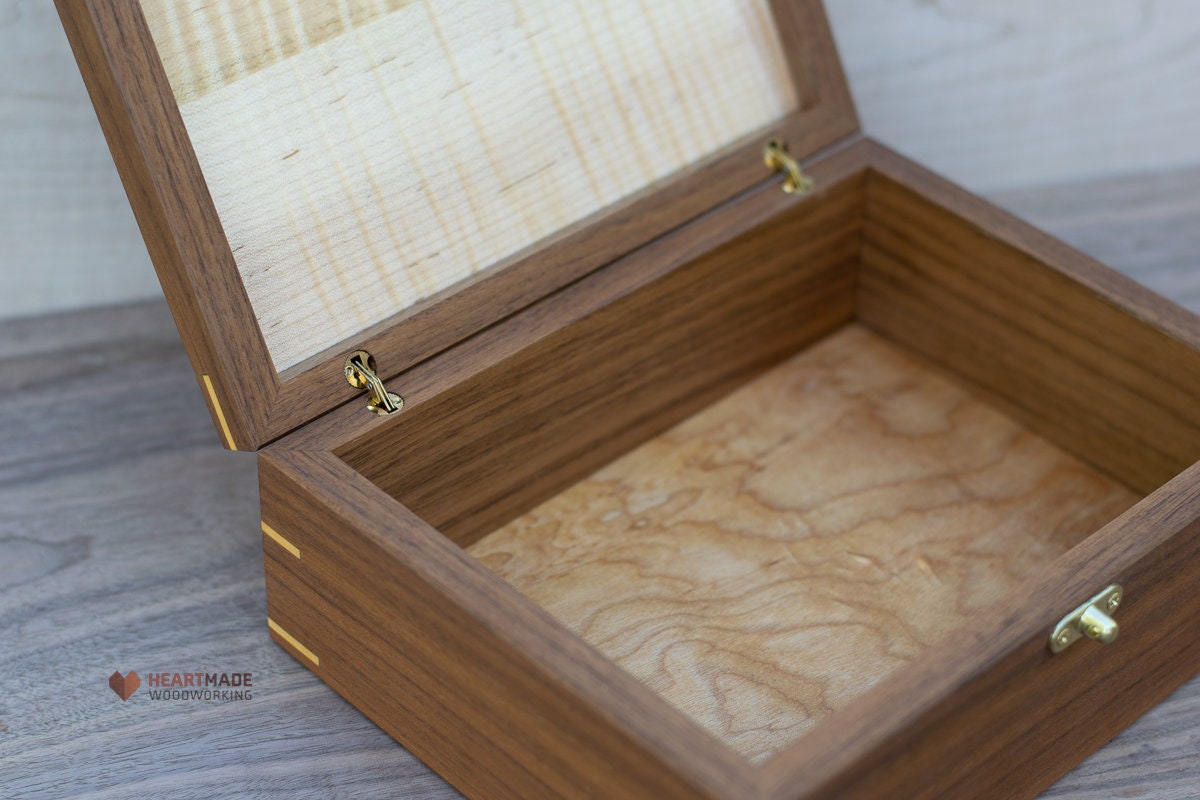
{"type": "Point", "coordinates": [699, 488]}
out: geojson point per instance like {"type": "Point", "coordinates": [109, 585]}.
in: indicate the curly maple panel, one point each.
{"type": "Point", "coordinates": [771, 558]}
{"type": "Point", "coordinates": [367, 154]}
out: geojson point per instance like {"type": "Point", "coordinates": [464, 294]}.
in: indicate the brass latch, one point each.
{"type": "Point", "coordinates": [360, 373]}
{"type": "Point", "coordinates": [1093, 619]}
{"type": "Point", "coordinates": [775, 156]}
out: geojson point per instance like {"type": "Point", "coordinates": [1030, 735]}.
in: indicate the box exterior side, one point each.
{"type": "Point", "coordinates": [478, 707]}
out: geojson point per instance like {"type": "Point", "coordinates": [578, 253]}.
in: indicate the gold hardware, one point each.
{"type": "Point", "coordinates": [775, 156]}
{"type": "Point", "coordinates": [1092, 619]}
{"type": "Point", "coordinates": [360, 373]}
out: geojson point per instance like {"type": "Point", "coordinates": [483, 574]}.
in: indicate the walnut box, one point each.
{"type": "Point", "coordinates": [607, 450]}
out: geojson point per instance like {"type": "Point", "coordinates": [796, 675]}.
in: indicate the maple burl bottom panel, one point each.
{"type": "Point", "coordinates": [771, 558]}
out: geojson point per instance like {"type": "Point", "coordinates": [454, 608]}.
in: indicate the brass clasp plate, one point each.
{"type": "Point", "coordinates": [1092, 619]}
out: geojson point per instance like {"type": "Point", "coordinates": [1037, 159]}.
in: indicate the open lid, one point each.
{"type": "Point", "coordinates": [314, 178]}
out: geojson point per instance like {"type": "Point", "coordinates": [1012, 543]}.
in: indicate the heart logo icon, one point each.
{"type": "Point", "coordinates": [124, 685]}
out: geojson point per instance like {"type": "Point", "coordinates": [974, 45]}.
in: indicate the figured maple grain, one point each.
{"type": "Point", "coordinates": [125, 58]}
{"type": "Point", "coordinates": [771, 558]}
{"type": "Point", "coordinates": [364, 157]}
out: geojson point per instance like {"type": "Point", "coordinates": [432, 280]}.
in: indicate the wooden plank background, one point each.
{"type": "Point", "coordinates": [996, 94]}
{"type": "Point", "coordinates": [129, 540]}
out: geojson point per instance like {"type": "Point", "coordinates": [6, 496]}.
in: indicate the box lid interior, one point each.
{"type": "Point", "coordinates": [314, 178]}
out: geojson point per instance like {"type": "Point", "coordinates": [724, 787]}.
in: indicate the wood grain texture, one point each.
{"type": "Point", "coordinates": [748, 564]}
{"type": "Point", "coordinates": [484, 686]}
{"type": "Point", "coordinates": [64, 213]}
{"type": "Point", "coordinates": [993, 713]}
{"type": "Point", "coordinates": [129, 540]}
{"type": "Point", "coordinates": [173, 208]}
{"type": "Point", "coordinates": [475, 649]}
{"type": "Point", "coordinates": [907, 737]}
{"type": "Point", "coordinates": [918, 708]}
{"type": "Point", "coordinates": [562, 395]}
{"type": "Point", "coordinates": [150, 143]}
{"type": "Point", "coordinates": [857, 749]}
{"type": "Point", "coordinates": [122, 451]}
{"type": "Point", "coordinates": [1059, 340]}
{"type": "Point", "coordinates": [365, 157]}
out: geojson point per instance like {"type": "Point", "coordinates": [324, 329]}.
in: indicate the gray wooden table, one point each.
{"type": "Point", "coordinates": [129, 541]}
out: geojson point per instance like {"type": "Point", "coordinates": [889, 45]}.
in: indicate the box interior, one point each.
{"type": "Point", "coordinates": [772, 557]}
{"type": "Point", "coordinates": [771, 475]}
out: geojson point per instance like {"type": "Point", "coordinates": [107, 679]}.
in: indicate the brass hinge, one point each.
{"type": "Point", "coordinates": [360, 373]}
{"type": "Point", "coordinates": [775, 156]}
